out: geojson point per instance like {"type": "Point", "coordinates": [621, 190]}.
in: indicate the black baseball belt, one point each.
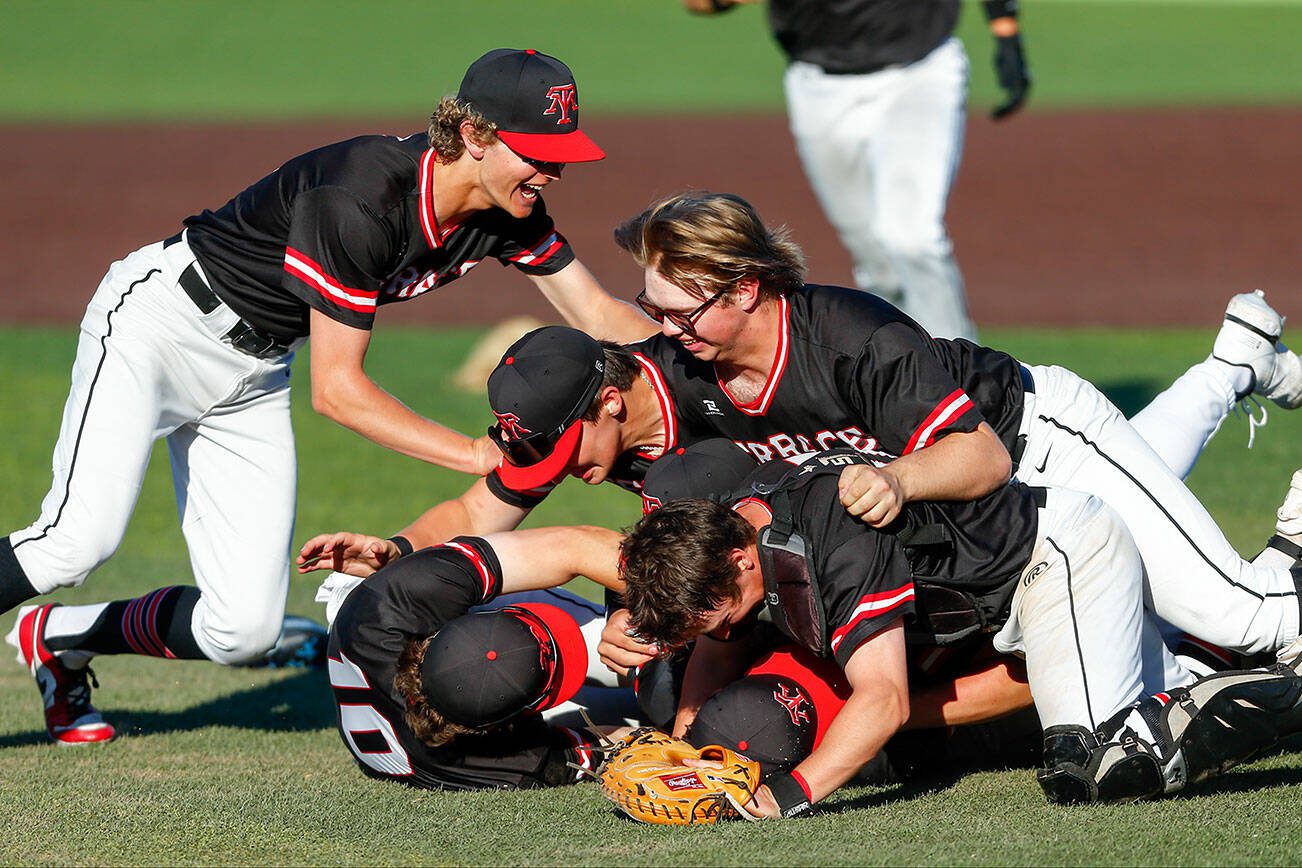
{"type": "Point", "coordinates": [246, 338]}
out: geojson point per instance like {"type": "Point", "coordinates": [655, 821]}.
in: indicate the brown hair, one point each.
{"type": "Point", "coordinates": [677, 566]}
{"type": "Point", "coordinates": [425, 723]}
{"type": "Point", "coordinates": [705, 242]}
{"type": "Point", "coordinates": [621, 369]}
{"type": "Point", "coordinates": [445, 128]}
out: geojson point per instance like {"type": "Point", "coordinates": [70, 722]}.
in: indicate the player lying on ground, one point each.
{"type": "Point", "coordinates": [434, 691]}
{"type": "Point", "coordinates": [1063, 586]}
{"type": "Point", "coordinates": [192, 339]}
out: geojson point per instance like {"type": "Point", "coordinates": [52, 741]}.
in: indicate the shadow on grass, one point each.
{"type": "Point", "coordinates": [298, 703]}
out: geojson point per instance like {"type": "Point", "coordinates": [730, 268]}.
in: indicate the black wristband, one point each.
{"type": "Point", "coordinates": [721, 5]}
{"type": "Point", "coordinates": [403, 544]}
{"type": "Point", "coordinates": [790, 794]}
{"type": "Point", "coordinates": [1000, 9]}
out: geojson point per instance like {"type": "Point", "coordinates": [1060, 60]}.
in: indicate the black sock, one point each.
{"type": "Point", "coordinates": [15, 587]}
{"type": "Point", "coordinates": [155, 625]}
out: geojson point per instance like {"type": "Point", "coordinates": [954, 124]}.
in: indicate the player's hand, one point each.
{"type": "Point", "coordinates": [353, 553]}
{"type": "Point", "coordinates": [484, 455]}
{"type": "Point", "coordinates": [872, 494]}
{"type": "Point", "coordinates": [621, 651]}
{"type": "Point", "coordinates": [1013, 75]}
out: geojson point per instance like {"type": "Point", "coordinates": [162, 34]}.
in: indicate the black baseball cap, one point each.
{"type": "Point", "coordinates": [486, 667]}
{"type": "Point", "coordinates": [706, 469]}
{"type": "Point", "coordinates": [539, 392]}
{"type": "Point", "coordinates": [533, 100]}
{"type": "Point", "coordinates": [770, 719]}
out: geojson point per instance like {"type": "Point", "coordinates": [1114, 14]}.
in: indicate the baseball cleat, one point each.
{"type": "Point", "coordinates": [69, 716]}
{"type": "Point", "coordinates": [1250, 338]}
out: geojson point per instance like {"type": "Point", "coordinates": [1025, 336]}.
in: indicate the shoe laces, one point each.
{"type": "Point", "coordinates": [1243, 408]}
{"type": "Point", "coordinates": [76, 689]}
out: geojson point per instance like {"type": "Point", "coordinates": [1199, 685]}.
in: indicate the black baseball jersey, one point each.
{"type": "Point", "coordinates": [351, 226]}
{"type": "Point", "coordinates": [866, 576]}
{"type": "Point", "coordinates": [850, 370]}
{"type": "Point", "coordinates": [412, 599]}
{"type": "Point", "coordinates": [860, 36]}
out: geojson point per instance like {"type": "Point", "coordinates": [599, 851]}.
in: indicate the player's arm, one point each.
{"type": "Point", "coordinates": [962, 465]}
{"type": "Point", "coordinates": [996, 689]}
{"type": "Point", "coordinates": [342, 391]}
{"type": "Point", "coordinates": [577, 297]}
{"type": "Point", "coordinates": [475, 513]}
{"type": "Point", "coordinates": [545, 557]}
{"type": "Point", "coordinates": [714, 665]}
{"type": "Point", "coordinates": [712, 7]}
{"type": "Point", "coordinates": [1010, 59]}
{"type": "Point", "coordinates": [876, 709]}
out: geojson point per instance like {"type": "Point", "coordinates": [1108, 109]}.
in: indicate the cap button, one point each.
{"type": "Point", "coordinates": [742, 745]}
{"type": "Point", "coordinates": [530, 51]}
{"type": "Point", "coordinates": [510, 360]}
{"type": "Point", "coordinates": [491, 655]}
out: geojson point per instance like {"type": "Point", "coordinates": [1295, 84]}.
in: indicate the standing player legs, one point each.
{"type": "Point", "coordinates": [1195, 579]}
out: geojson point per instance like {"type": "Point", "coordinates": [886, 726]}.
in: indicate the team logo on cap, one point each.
{"type": "Point", "coordinates": [511, 427]}
{"type": "Point", "coordinates": [794, 702]}
{"type": "Point", "coordinates": [565, 101]}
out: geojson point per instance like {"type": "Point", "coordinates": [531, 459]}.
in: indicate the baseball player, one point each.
{"type": "Point", "coordinates": [781, 367]}
{"type": "Point", "coordinates": [1052, 571]}
{"type": "Point", "coordinates": [192, 339]}
{"type": "Point", "coordinates": [876, 93]}
{"type": "Point", "coordinates": [436, 691]}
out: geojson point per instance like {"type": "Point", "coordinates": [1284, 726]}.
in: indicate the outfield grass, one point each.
{"type": "Point", "coordinates": [96, 60]}
{"type": "Point", "coordinates": [220, 766]}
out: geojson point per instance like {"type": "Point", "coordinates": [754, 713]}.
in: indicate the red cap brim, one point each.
{"type": "Point", "coordinates": [549, 469]}
{"type": "Point", "coordinates": [573, 147]}
{"type": "Point", "coordinates": [572, 651]}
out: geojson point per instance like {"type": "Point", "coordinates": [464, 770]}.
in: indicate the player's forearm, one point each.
{"type": "Point", "coordinates": [360, 405]}
{"type": "Point", "coordinates": [989, 694]}
{"type": "Point", "coordinates": [549, 556]}
{"type": "Point", "coordinates": [960, 466]}
{"type": "Point", "coordinates": [585, 305]}
{"type": "Point", "coordinates": [861, 729]}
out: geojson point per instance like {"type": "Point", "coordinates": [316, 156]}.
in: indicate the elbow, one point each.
{"type": "Point", "coordinates": [898, 713]}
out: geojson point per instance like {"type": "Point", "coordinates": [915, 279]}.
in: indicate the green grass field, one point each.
{"type": "Point", "coordinates": [234, 766]}
{"type": "Point", "coordinates": [89, 60]}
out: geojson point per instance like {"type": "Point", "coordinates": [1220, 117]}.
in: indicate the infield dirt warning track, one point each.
{"type": "Point", "coordinates": [1128, 218]}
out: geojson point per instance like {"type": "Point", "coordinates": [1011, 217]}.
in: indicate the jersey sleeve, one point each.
{"type": "Point", "coordinates": [534, 245]}
{"type": "Point", "coordinates": [510, 496]}
{"type": "Point", "coordinates": [867, 584]}
{"type": "Point", "coordinates": [337, 255]}
{"type": "Point", "coordinates": [910, 399]}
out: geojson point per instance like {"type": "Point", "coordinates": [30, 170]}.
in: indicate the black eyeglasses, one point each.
{"type": "Point", "coordinates": [684, 321]}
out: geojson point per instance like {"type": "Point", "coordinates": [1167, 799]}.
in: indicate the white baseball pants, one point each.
{"type": "Point", "coordinates": [881, 151]}
{"type": "Point", "coordinates": [150, 365]}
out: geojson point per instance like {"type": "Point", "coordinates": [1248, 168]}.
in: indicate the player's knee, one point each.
{"type": "Point", "coordinates": [61, 561]}
{"type": "Point", "coordinates": [237, 640]}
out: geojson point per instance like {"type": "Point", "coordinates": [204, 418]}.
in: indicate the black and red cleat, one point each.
{"type": "Point", "coordinates": [69, 716]}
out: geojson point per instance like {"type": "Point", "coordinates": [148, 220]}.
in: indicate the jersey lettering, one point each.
{"type": "Point", "coordinates": [788, 446]}
{"type": "Point", "coordinates": [362, 724]}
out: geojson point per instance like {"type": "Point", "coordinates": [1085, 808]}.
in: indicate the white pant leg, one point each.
{"type": "Point", "coordinates": [881, 151]}
{"type": "Point", "coordinates": [1179, 422]}
{"type": "Point", "coordinates": [1078, 615]}
{"type": "Point", "coordinates": [234, 472]}
{"type": "Point", "coordinates": [1196, 580]}
{"type": "Point", "coordinates": [125, 394]}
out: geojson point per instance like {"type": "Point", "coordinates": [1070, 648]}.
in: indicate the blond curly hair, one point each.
{"type": "Point", "coordinates": [445, 128]}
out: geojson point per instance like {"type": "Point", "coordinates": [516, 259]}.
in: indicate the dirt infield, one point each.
{"type": "Point", "coordinates": [1118, 219]}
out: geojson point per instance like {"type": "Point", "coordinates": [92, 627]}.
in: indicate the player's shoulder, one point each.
{"type": "Point", "coordinates": [377, 169]}
{"type": "Point", "coordinates": [841, 318]}
{"type": "Point", "coordinates": [672, 359]}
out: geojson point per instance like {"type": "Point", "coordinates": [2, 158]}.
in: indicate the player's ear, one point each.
{"type": "Point", "coordinates": [612, 401]}
{"type": "Point", "coordinates": [746, 293]}
{"type": "Point", "coordinates": [474, 147]}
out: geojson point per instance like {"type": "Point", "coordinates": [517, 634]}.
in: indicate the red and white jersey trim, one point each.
{"type": "Point", "coordinates": [873, 606]}
{"type": "Point", "coordinates": [665, 398]}
{"type": "Point", "coordinates": [764, 400]}
{"type": "Point", "coordinates": [951, 408]}
{"type": "Point", "coordinates": [482, 568]}
{"type": "Point", "coordinates": [429, 223]}
{"type": "Point", "coordinates": [311, 273]}
{"type": "Point", "coordinates": [756, 502]}
{"type": "Point", "coordinates": [541, 251]}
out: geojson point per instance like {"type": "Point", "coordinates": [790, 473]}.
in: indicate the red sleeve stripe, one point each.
{"type": "Point", "coordinates": [954, 406]}
{"type": "Point", "coordinates": [482, 568]}
{"type": "Point", "coordinates": [873, 606]}
{"type": "Point", "coordinates": [429, 223]}
{"type": "Point", "coordinates": [311, 273]}
{"type": "Point", "coordinates": [804, 784]}
{"type": "Point", "coordinates": [541, 251]}
{"type": "Point", "coordinates": [663, 396]}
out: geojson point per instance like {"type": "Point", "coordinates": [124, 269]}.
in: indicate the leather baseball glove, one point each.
{"type": "Point", "coordinates": [645, 777]}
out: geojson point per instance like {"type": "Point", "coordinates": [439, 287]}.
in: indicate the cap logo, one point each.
{"type": "Point", "coordinates": [688, 781]}
{"type": "Point", "coordinates": [511, 427]}
{"type": "Point", "coordinates": [794, 702]}
{"type": "Point", "coordinates": [564, 101]}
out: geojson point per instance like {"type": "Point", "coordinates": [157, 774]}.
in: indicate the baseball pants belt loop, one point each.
{"type": "Point", "coordinates": [1040, 495]}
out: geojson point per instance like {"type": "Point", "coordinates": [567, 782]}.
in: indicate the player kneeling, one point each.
{"type": "Point", "coordinates": [435, 695]}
